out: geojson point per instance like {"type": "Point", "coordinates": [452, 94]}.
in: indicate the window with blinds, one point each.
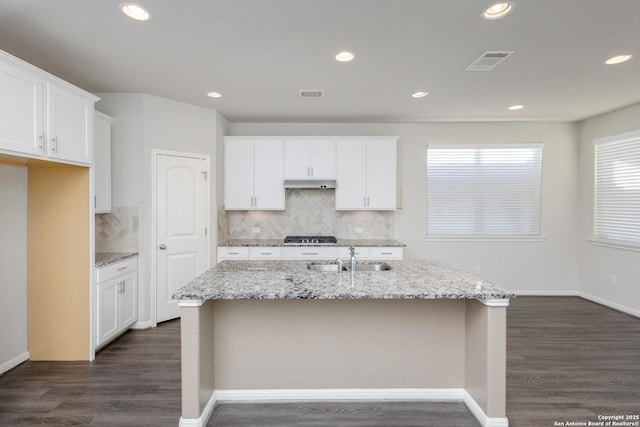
{"type": "Point", "coordinates": [617, 189]}
{"type": "Point", "coordinates": [484, 191]}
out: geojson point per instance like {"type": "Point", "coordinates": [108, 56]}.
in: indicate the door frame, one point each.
{"type": "Point", "coordinates": [155, 153]}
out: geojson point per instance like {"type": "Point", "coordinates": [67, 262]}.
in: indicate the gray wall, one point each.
{"type": "Point", "coordinates": [598, 262]}
{"type": "Point", "coordinates": [547, 266]}
{"type": "Point", "coordinates": [13, 265]}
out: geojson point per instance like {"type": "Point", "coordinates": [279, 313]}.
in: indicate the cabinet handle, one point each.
{"type": "Point", "coordinates": [123, 268]}
{"type": "Point", "coordinates": [41, 143]}
{"type": "Point", "coordinates": [54, 144]}
{"type": "Point", "coordinates": [265, 253]}
{"type": "Point", "coordinates": [310, 253]}
{"type": "Point", "coordinates": [233, 253]}
{"type": "Point", "coordinates": [387, 253]}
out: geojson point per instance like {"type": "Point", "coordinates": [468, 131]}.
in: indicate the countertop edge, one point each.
{"type": "Point", "coordinates": [107, 258]}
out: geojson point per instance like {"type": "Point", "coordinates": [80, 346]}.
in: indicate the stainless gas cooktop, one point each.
{"type": "Point", "coordinates": [315, 240]}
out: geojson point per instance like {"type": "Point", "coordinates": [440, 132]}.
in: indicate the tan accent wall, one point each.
{"type": "Point", "coordinates": [59, 277]}
{"type": "Point", "coordinates": [318, 344]}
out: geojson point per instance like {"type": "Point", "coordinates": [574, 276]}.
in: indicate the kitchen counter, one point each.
{"type": "Point", "coordinates": [409, 279]}
{"type": "Point", "coordinates": [341, 242]}
{"type": "Point", "coordinates": [275, 330]}
{"type": "Point", "coordinates": [106, 258]}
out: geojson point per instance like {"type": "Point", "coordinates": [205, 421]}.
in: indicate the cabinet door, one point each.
{"type": "Point", "coordinates": [351, 174]}
{"type": "Point", "coordinates": [102, 162]}
{"type": "Point", "coordinates": [381, 174]}
{"type": "Point", "coordinates": [107, 303]}
{"type": "Point", "coordinates": [238, 174]}
{"type": "Point", "coordinates": [21, 111]}
{"type": "Point", "coordinates": [296, 154]}
{"type": "Point", "coordinates": [128, 303]}
{"type": "Point", "coordinates": [322, 154]}
{"type": "Point", "coordinates": [269, 175]}
{"type": "Point", "coordinates": [69, 126]}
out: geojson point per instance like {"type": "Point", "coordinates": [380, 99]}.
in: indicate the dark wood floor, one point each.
{"type": "Point", "coordinates": [567, 360]}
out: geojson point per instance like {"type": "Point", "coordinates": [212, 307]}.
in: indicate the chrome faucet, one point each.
{"type": "Point", "coordinates": [339, 261]}
{"type": "Point", "coordinates": [352, 251]}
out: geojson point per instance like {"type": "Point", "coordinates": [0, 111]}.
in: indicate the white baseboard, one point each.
{"type": "Point", "coordinates": [204, 417]}
{"type": "Point", "coordinates": [427, 395]}
{"type": "Point", "coordinates": [142, 325]}
{"type": "Point", "coordinates": [10, 364]}
{"type": "Point", "coordinates": [610, 304]}
{"type": "Point", "coordinates": [547, 293]}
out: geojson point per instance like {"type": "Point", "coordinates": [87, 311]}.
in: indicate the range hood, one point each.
{"type": "Point", "coordinates": [310, 183]}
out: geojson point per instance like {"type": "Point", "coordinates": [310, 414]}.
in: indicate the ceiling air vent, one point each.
{"type": "Point", "coordinates": [489, 60]}
{"type": "Point", "coordinates": [311, 93]}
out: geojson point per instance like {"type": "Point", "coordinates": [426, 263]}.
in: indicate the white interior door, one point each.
{"type": "Point", "coordinates": [182, 215]}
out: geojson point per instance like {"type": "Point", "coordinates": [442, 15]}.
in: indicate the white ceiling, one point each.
{"type": "Point", "coordinates": [260, 53]}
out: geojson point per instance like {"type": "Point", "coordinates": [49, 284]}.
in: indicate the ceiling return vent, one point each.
{"type": "Point", "coordinates": [489, 60]}
{"type": "Point", "coordinates": [310, 93]}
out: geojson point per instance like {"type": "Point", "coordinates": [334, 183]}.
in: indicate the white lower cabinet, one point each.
{"type": "Point", "coordinates": [116, 299]}
{"type": "Point", "coordinates": [308, 252]}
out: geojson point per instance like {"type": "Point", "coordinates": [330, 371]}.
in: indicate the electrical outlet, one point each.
{"type": "Point", "coordinates": [476, 269]}
{"type": "Point", "coordinates": [359, 230]}
{"type": "Point", "coordinates": [612, 279]}
{"type": "Point", "coordinates": [255, 230]}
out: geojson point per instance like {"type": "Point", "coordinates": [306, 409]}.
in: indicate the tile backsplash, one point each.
{"type": "Point", "coordinates": [117, 231]}
{"type": "Point", "coordinates": [308, 212]}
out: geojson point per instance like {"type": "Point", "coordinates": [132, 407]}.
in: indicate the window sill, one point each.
{"type": "Point", "coordinates": [615, 245]}
{"type": "Point", "coordinates": [485, 239]}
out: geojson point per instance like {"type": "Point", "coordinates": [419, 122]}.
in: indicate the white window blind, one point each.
{"type": "Point", "coordinates": [617, 189]}
{"type": "Point", "coordinates": [484, 190]}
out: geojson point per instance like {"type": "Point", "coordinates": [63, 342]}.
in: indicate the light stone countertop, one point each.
{"type": "Point", "coordinates": [341, 242]}
{"type": "Point", "coordinates": [106, 258]}
{"type": "Point", "coordinates": [408, 279]}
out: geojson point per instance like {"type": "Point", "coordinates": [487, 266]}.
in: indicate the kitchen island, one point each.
{"type": "Point", "coordinates": [276, 330]}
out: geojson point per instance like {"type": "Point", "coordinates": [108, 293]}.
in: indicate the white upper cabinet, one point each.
{"type": "Point", "coordinates": [366, 174]}
{"type": "Point", "coordinates": [102, 162]}
{"type": "Point", "coordinates": [42, 116]}
{"type": "Point", "coordinates": [310, 159]}
{"type": "Point", "coordinates": [253, 174]}
{"type": "Point", "coordinates": [21, 112]}
{"type": "Point", "coordinates": [69, 126]}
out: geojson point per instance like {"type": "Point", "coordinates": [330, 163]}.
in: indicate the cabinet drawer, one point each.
{"type": "Point", "coordinates": [310, 252]}
{"type": "Point", "coordinates": [386, 252]}
{"type": "Point", "coordinates": [233, 252]}
{"type": "Point", "coordinates": [361, 253]}
{"type": "Point", "coordinates": [264, 252]}
{"type": "Point", "coordinates": [108, 272]}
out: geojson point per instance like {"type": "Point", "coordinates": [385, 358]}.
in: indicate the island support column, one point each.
{"type": "Point", "coordinates": [486, 358]}
{"type": "Point", "coordinates": [198, 380]}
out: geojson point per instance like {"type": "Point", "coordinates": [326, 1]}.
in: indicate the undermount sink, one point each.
{"type": "Point", "coordinates": [375, 266]}
{"type": "Point", "coordinates": [334, 266]}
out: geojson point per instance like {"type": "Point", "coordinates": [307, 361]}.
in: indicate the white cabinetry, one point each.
{"type": "Point", "coordinates": [310, 159]}
{"type": "Point", "coordinates": [366, 174]}
{"type": "Point", "coordinates": [253, 174]}
{"type": "Point", "coordinates": [116, 299]}
{"type": "Point", "coordinates": [307, 252]}
{"type": "Point", "coordinates": [21, 111]}
{"type": "Point", "coordinates": [102, 162]}
{"type": "Point", "coordinates": [42, 116]}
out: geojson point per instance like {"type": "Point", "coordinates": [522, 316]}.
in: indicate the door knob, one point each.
{"type": "Point", "coordinates": [162, 246]}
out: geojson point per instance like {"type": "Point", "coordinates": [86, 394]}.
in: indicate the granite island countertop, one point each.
{"type": "Point", "coordinates": [408, 279]}
{"type": "Point", "coordinates": [341, 242]}
{"type": "Point", "coordinates": [106, 258]}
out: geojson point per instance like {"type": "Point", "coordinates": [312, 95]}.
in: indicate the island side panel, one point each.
{"type": "Point", "coordinates": [339, 344]}
{"type": "Point", "coordinates": [486, 330]}
{"type": "Point", "coordinates": [197, 358]}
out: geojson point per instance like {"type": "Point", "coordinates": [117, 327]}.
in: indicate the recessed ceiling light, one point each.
{"type": "Point", "coordinates": [516, 107]}
{"type": "Point", "coordinates": [345, 56]}
{"type": "Point", "coordinates": [214, 94]}
{"type": "Point", "coordinates": [135, 11]}
{"type": "Point", "coordinates": [419, 94]}
{"type": "Point", "coordinates": [497, 10]}
{"type": "Point", "coordinates": [619, 59]}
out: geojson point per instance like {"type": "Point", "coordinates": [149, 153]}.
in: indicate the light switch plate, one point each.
{"type": "Point", "coordinates": [255, 230]}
